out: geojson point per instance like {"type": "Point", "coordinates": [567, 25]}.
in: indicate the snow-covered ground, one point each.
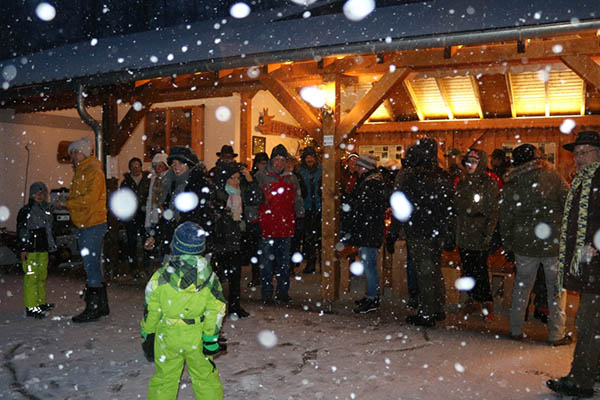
{"type": "Point", "coordinates": [318, 355]}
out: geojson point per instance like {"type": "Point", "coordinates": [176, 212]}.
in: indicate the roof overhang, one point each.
{"type": "Point", "coordinates": [264, 38]}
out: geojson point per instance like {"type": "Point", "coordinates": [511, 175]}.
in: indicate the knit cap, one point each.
{"type": "Point", "coordinates": [37, 187]}
{"type": "Point", "coordinates": [189, 239]}
{"type": "Point", "coordinates": [279, 151]}
{"type": "Point", "coordinates": [160, 158]}
{"type": "Point", "coordinates": [83, 145]}
{"type": "Point", "coordinates": [522, 154]}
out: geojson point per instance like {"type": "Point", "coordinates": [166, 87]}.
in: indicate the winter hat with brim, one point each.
{"type": "Point", "coordinates": [584, 137]}
{"type": "Point", "coordinates": [83, 145]}
{"type": "Point", "coordinates": [367, 162]}
{"type": "Point", "coordinates": [522, 154]}
{"type": "Point", "coordinates": [227, 150]}
{"type": "Point", "coordinates": [279, 151]}
{"type": "Point", "coordinates": [37, 187]}
{"type": "Point", "coordinates": [189, 239]}
{"type": "Point", "coordinates": [184, 155]}
{"type": "Point", "coordinates": [160, 158]}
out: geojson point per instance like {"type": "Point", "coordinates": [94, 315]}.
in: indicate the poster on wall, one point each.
{"type": "Point", "coordinates": [383, 153]}
{"type": "Point", "coordinates": [548, 150]}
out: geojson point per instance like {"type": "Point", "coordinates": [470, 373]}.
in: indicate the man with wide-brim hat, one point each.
{"type": "Point", "coordinates": [227, 153]}
{"type": "Point", "coordinates": [579, 264]}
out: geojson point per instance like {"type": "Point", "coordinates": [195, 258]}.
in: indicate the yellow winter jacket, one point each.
{"type": "Point", "coordinates": [87, 196]}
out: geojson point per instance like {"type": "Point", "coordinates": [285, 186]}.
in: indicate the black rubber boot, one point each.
{"type": "Point", "coordinates": [92, 306]}
{"type": "Point", "coordinates": [104, 309]}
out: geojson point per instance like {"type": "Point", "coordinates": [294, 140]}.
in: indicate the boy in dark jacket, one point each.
{"type": "Point", "coordinates": [34, 230]}
{"type": "Point", "coordinates": [183, 314]}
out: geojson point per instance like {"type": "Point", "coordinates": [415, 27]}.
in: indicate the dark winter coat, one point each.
{"type": "Point", "coordinates": [313, 183]}
{"type": "Point", "coordinates": [476, 204]}
{"type": "Point", "coordinates": [227, 236]}
{"type": "Point", "coordinates": [368, 206]}
{"type": "Point", "coordinates": [588, 281]}
{"type": "Point", "coordinates": [34, 228]}
{"type": "Point", "coordinates": [532, 194]}
{"type": "Point", "coordinates": [429, 189]}
{"type": "Point", "coordinates": [280, 203]}
{"type": "Point", "coordinates": [141, 193]}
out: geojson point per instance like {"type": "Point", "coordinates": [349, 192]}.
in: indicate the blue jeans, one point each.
{"type": "Point", "coordinates": [275, 251]}
{"type": "Point", "coordinates": [91, 240]}
{"type": "Point", "coordinates": [368, 257]}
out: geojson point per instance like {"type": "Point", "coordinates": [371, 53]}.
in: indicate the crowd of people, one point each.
{"type": "Point", "coordinates": [269, 217]}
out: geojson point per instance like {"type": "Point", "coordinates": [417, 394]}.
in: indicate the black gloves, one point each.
{"type": "Point", "coordinates": [148, 346]}
{"type": "Point", "coordinates": [390, 241]}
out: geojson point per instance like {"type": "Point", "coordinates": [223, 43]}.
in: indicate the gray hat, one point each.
{"type": "Point", "coordinates": [83, 145]}
{"type": "Point", "coordinates": [367, 162]}
{"type": "Point", "coordinates": [37, 187]}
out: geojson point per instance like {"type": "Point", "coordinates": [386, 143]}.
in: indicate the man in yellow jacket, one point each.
{"type": "Point", "coordinates": [87, 206]}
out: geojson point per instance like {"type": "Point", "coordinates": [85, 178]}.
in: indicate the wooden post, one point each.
{"type": "Point", "coordinates": [246, 128]}
{"type": "Point", "coordinates": [110, 130]}
{"type": "Point", "coordinates": [198, 131]}
{"type": "Point", "coordinates": [330, 277]}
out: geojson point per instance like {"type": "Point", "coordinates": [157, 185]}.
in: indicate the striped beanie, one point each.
{"type": "Point", "coordinates": [189, 238]}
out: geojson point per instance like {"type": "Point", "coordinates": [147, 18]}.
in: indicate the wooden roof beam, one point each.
{"type": "Point", "coordinates": [370, 101]}
{"type": "Point", "coordinates": [294, 104]}
{"type": "Point", "coordinates": [585, 67]}
{"type": "Point", "coordinates": [478, 124]}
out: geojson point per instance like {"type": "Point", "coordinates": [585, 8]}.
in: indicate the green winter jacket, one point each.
{"type": "Point", "coordinates": [184, 291]}
{"type": "Point", "coordinates": [476, 206]}
{"type": "Point", "coordinates": [531, 209]}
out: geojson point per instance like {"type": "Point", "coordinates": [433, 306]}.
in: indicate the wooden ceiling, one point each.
{"type": "Point", "coordinates": [488, 67]}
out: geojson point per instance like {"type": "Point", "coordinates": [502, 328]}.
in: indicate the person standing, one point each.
{"type": "Point", "coordinates": [34, 232]}
{"type": "Point", "coordinates": [154, 207]}
{"type": "Point", "coordinates": [368, 208]}
{"type": "Point", "coordinates": [229, 228]}
{"type": "Point", "coordinates": [531, 207]}
{"type": "Point", "coordinates": [429, 227]}
{"type": "Point", "coordinates": [280, 205]}
{"type": "Point", "coordinates": [87, 207]}
{"type": "Point", "coordinates": [579, 264]}
{"type": "Point", "coordinates": [253, 234]}
{"type": "Point", "coordinates": [183, 314]}
{"type": "Point", "coordinates": [476, 204]}
{"type": "Point", "coordinates": [138, 181]}
{"type": "Point", "coordinates": [310, 172]}
{"type": "Point", "coordinates": [226, 155]}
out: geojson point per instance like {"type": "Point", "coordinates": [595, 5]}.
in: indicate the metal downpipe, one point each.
{"type": "Point", "coordinates": [87, 118]}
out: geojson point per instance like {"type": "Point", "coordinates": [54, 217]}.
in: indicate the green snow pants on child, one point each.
{"type": "Point", "coordinates": [174, 346]}
{"type": "Point", "coordinates": [36, 272]}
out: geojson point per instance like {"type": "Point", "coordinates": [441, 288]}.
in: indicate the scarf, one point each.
{"type": "Point", "coordinates": [583, 179]}
{"type": "Point", "coordinates": [234, 202]}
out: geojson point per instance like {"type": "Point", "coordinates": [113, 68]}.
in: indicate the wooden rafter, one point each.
{"type": "Point", "coordinates": [585, 67]}
{"type": "Point", "coordinates": [370, 101]}
{"type": "Point", "coordinates": [293, 103]}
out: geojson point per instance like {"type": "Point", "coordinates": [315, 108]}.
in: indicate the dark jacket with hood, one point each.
{"type": "Point", "coordinates": [367, 207]}
{"type": "Point", "coordinates": [531, 209]}
{"type": "Point", "coordinates": [429, 190]}
{"type": "Point", "coordinates": [311, 176]}
{"type": "Point", "coordinates": [34, 227]}
{"type": "Point", "coordinates": [476, 203]}
{"type": "Point", "coordinates": [141, 193]}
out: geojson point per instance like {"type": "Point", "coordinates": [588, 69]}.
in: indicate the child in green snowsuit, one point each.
{"type": "Point", "coordinates": [183, 313]}
{"type": "Point", "coordinates": [34, 232]}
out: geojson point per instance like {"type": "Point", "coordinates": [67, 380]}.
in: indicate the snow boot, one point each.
{"type": "Point", "coordinates": [35, 312]}
{"type": "Point", "coordinates": [103, 305]}
{"type": "Point", "coordinates": [92, 306]}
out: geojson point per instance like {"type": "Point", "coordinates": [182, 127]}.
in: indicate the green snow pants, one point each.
{"type": "Point", "coordinates": [36, 272]}
{"type": "Point", "coordinates": [175, 346]}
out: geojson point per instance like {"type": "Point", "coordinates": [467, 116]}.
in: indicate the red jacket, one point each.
{"type": "Point", "coordinates": [277, 213]}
